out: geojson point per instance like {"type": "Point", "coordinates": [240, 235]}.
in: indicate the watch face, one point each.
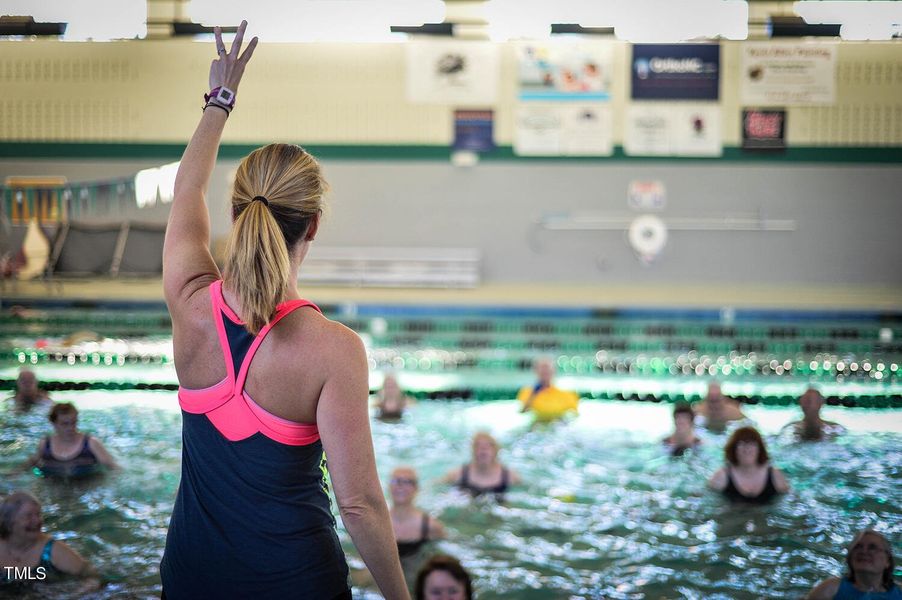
{"type": "Point", "coordinates": [225, 95]}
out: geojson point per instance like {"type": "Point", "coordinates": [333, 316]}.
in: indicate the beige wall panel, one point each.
{"type": "Point", "coordinates": [868, 109]}
{"type": "Point", "coordinates": [150, 91]}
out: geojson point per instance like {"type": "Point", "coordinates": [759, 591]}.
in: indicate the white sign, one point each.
{"type": "Point", "coordinates": [564, 129]}
{"type": "Point", "coordinates": [787, 74]}
{"type": "Point", "coordinates": [684, 129]}
{"type": "Point", "coordinates": [458, 73]}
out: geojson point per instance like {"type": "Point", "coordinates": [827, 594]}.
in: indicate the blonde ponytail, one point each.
{"type": "Point", "coordinates": [257, 263]}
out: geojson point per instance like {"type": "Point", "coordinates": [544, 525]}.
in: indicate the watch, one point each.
{"type": "Point", "coordinates": [222, 96]}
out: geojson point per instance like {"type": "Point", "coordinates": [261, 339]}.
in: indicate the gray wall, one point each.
{"type": "Point", "coordinates": [847, 217]}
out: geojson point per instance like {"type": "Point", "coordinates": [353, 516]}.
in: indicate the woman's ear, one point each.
{"type": "Point", "coordinates": [312, 229]}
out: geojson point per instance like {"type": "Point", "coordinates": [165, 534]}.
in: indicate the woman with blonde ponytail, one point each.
{"type": "Point", "coordinates": [268, 386]}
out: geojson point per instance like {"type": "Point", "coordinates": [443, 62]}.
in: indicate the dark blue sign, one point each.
{"type": "Point", "coordinates": [676, 71]}
{"type": "Point", "coordinates": [473, 130]}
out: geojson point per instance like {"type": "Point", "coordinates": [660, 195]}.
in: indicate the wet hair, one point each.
{"type": "Point", "coordinates": [10, 507]}
{"type": "Point", "coordinates": [257, 255]}
{"type": "Point", "coordinates": [448, 564]}
{"type": "Point", "coordinates": [26, 372]}
{"type": "Point", "coordinates": [745, 434]}
{"type": "Point", "coordinates": [413, 471]}
{"type": "Point", "coordinates": [484, 435]}
{"type": "Point", "coordinates": [887, 578]}
{"type": "Point", "coordinates": [61, 408]}
{"type": "Point", "coordinates": [683, 408]}
{"type": "Point", "coordinates": [812, 390]}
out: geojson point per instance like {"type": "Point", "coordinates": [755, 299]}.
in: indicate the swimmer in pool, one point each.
{"type": "Point", "coordinates": [683, 437]}
{"type": "Point", "coordinates": [748, 476]}
{"type": "Point", "coordinates": [28, 392]}
{"type": "Point", "coordinates": [718, 410]}
{"type": "Point", "coordinates": [543, 399]}
{"type": "Point", "coordinates": [392, 400]}
{"type": "Point", "coordinates": [870, 576]}
{"type": "Point", "coordinates": [68, 452]}
{"type": "Point", "coordinates": [443, 578]}
{"type": "Point", "coordinates": [24, 544]}
{"type": "Point", "coordinates": [484, 474]}
{"type": "Point", "coordinates": [811, 427]}
{"type": "Point", "coordinates": [413, 527]}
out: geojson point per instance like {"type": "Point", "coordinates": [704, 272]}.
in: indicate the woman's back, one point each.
{"type": "Point", "coordinates": [289, 368]}
{"type": "Point", "coordinates": [253, 514]}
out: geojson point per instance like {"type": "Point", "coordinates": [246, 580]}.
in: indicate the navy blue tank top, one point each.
{"type": "Point", "coordinates": [252, 518]}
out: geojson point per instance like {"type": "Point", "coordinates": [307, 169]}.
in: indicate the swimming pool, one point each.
{"type": "Point", "coordinates": [604, 513]}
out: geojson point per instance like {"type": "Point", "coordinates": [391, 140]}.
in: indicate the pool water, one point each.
{"type": "Point", "coordinates": [604, 512]}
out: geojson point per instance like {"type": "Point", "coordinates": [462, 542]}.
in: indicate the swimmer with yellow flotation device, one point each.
{"type": "Point", "coordinates": [544, 400]}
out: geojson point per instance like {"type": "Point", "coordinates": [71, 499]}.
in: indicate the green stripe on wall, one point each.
{"type": "Point", "coordinates": [31, 150]}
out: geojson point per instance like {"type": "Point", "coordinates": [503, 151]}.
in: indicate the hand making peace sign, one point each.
{"type": "Point", "coordinates": [227, 70]}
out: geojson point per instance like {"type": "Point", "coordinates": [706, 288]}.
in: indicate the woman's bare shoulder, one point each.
{"type": "Point", "coordinates": [331, 340]}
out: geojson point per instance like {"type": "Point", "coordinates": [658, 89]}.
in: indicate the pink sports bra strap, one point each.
{"type": "Point", "coordinates": [219, 306]}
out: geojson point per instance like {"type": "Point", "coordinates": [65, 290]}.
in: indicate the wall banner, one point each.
{"type": "Point", "coordinates": [787, 74]}
{"type": "Point", "coordinates": [676, 72]}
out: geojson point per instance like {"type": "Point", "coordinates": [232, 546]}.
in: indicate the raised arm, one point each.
{"type": "Point", "coordinates": [187, 262]}
{"type": "Point", "coordinates": [343, 421]}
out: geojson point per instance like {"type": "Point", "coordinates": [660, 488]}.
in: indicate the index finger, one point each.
{"type": "Point", "coordinates": [239, 37]}
{"type": "Point", "coordinates": [217, 35]}
{"type": "Point", "coordinates": [248, 52]}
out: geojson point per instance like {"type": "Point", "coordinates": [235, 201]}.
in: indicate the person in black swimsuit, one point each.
{"type": "Point", "coordinates": [683, 437]}
{"type": "Point", "coordinates": [69, 452]}
{"type": "Point", "coordinates": [748, 476]}
{"type": "Point", "coordinates": [484, 474]}
{"type": "Point", "coordinates": [413, 527]}
{"type": "Point", "coordinates": [392, 401]}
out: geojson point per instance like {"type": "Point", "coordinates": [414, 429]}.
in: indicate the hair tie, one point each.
{"type": "Point", "coordinates": [261, 199]}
